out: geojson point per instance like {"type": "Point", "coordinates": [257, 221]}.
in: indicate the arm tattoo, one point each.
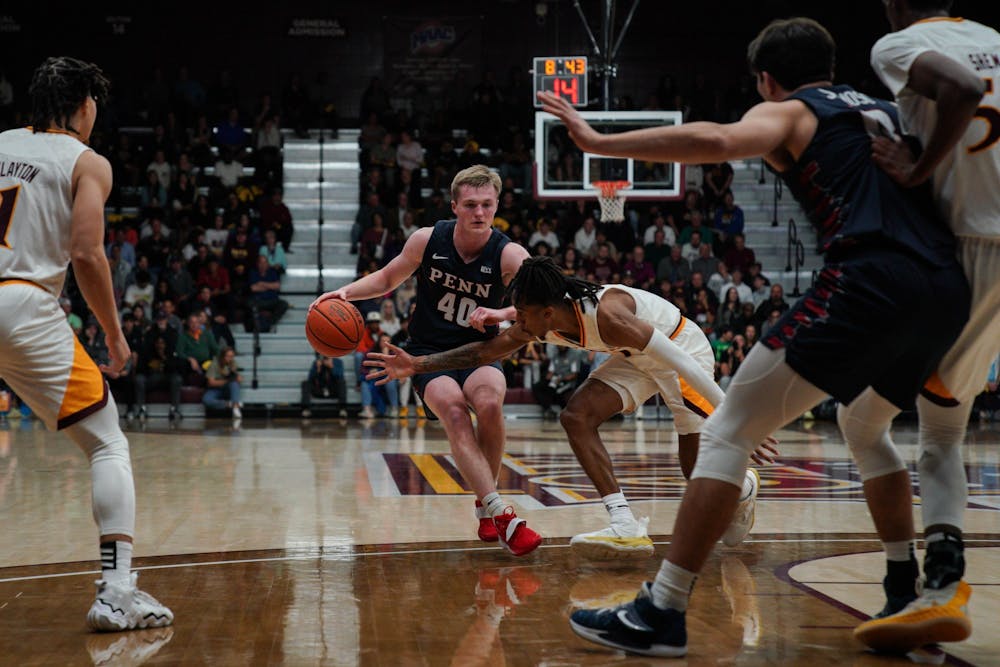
{"type": "Point", "coordinates": [466, 356]}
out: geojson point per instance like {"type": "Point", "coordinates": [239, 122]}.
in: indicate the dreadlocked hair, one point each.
{"type": "Point", "coordinates": [58, 88]}
{"type": "Point", "coordinates": [540, 282]}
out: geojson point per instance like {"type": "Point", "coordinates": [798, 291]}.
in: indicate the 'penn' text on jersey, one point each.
{"type": "Point", "coordinates": [454, 282]}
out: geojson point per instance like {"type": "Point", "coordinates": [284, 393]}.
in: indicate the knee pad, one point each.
{"type": "Point", "coordinates": [942, 426]}
{"type": "Point", "coordinates": [100, 436]}
{"type": "Point", "coordinates": [865, 426]}
{"type": "Point", "coordinates": [743, 420]}
{"type": "Point", "coordinates": [722, 454]}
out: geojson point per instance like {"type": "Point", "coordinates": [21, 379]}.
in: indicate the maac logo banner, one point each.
{"type": "Point", "coordinates": [429, 51]}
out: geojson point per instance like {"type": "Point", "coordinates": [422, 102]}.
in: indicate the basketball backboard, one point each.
{"type": "Point", "coordinates": [563, 171]}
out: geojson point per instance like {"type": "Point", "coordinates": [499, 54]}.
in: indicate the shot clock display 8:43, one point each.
{"type": "Point", "coordinates": [564, 76]}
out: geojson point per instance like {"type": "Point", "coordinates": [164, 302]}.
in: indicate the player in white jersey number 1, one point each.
{"type": "Point", "coordinates": [654, 349]}
{"type": "Point", "coordinates": [943, 72]}
{"type": "Point", "coordinates": [52, 194]}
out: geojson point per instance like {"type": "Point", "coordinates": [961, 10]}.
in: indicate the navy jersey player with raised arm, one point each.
{"type": "Point", "coordinates": [887, 305]}
{"type": "Point", "coordinates": [837, 163]}
{"type": "Point", "coordinates": [462, 267]}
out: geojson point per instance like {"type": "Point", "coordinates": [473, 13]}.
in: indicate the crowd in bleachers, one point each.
{"type": "Point", "coordinates": [198, 232]}
{"type": "Point", "coordinates": [196, 240]}
{"type": "Point", "coordinates": [692, 253]}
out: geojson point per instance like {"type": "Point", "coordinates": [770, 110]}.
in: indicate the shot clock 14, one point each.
{"type": "Point", "coordinates": [564, 76]}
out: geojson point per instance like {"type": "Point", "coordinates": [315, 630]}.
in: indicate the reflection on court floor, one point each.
{"type": "Point", "coordinates": [352, 543]}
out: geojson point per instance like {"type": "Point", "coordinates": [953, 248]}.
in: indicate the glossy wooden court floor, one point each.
{"type": "Point", "coordinates": [353, 543]}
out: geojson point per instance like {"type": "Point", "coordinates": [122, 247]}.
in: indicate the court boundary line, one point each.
{"type": "Point", "coordinates": [405, 552]}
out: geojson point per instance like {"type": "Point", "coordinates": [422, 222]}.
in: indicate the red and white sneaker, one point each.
{"type": "Point", "coordinates": [507, 587]}
{"type": "Point", "coordinates": [487, 531]}
{"type": "Point", "coordinates": [514, 534]}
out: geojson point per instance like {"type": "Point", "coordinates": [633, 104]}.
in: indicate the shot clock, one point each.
{"type": "Point", "coordinates": [563, 76]}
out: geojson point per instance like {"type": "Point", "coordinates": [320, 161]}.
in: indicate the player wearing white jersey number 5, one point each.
{"type": "Point", "coordinates": [944, 71]}
{"type": "Point", "coordinates": [53, 189]}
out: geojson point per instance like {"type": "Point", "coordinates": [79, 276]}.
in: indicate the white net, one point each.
{"type": "Point", "coordinates": [612, 200]}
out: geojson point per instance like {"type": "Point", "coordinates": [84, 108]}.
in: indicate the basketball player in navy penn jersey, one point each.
{"type": "Point", "coordinates": [462, 266]}
{"type": "Point", "coordinates": [889, 302]}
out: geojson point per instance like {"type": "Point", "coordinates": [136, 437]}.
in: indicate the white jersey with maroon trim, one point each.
{"type": "Point", "coordinates": [967, 182]}
{"type": "Point", "coordinates": [36, 209]}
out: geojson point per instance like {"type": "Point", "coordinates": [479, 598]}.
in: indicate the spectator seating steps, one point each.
{"type": "Point", "coordinates": [209, 172]}
{"type": "Point", "coordinates": [333, 209]}
{"type": "Point", "coordinates": [308, 190]}
{"type": "Point", "coordinates": [334, 251]}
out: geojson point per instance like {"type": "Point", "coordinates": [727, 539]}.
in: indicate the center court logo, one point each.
{"type": "Point", "coordinates": [431, 38]}
{"type": "Point", "coordinates": [557, 479]}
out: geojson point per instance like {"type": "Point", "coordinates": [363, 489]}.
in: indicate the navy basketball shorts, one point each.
{"type": "Point", "coordinates": [878, 318]}
{"type": "Point", "coordinates": [420, 380]}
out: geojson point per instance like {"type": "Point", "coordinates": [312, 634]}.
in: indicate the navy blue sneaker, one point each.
{"type": "Point", "coordinates": [635, 627]}
{"type": "Point", "coordinates": [895, 604]}
{"type": "Point", "coordinates": [900, 585]}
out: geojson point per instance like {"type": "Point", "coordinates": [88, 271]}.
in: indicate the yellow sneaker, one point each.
{"type": "Point", "coordinates": [937, 615]}
{"type": "Point", "coordinates": [421, 414]}
{"type": "Point", "coordinates": [404, 412]}
{"type": "Point", "coordinates": [615, 541]}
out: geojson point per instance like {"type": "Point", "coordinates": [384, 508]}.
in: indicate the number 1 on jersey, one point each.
{"type": "Point", "coordinates": [8, 202]}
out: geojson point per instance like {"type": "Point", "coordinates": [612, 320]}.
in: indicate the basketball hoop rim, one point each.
{"type": "Point", "coordinates": [610, 189]}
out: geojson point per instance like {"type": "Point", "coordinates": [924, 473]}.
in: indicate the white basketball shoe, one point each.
{"type": "Point", "coordinates": [743, 520]}
{"type": "Point", "coordinates": [126, 608]}
{"type": "Point", "coordinates": [129, 648]}
{"type": "Point", "coordinates": [619, 540]}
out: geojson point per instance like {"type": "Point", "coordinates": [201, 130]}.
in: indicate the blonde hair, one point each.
{"type": "Point", "coordinates": [475, 176]}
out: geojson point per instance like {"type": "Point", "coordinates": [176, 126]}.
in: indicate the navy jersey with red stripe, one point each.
{"type": "Point", "coordinates": [449, 289]}
{"type": "Point", "coordinates": [848, 199]}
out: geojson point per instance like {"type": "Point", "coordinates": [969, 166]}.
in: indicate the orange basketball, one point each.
{"type": "Point", "coordinates": [334, 327]}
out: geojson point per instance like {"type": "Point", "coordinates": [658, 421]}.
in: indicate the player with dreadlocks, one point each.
{"type": "Point", "coordinates": [654, 349]}
{"type": "Point", "coordinates": [52, 193]}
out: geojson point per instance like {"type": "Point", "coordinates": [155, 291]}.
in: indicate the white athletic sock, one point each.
{"type": "Point", "coordinates": [116, 562]}
{"type": "Point", "coordinates": [748, 485]}
{"type": "Point", "coordinates": [618, 508]}
{"type": "Point", "coordinates": [900, 551]}
{"type": "Point", "coordinates": [672, 586]}
{"type": "Point", "coordinates": [493, 503]}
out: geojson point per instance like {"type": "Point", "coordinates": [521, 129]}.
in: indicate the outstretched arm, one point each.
{"type": "Point", "coordinates": [388, 277]}
{"type": "Point", "coordinates": [400, 365]}
{"type": "Point", "coordinates": [763, 130]}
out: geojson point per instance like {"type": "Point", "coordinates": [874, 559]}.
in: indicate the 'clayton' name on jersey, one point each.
{"type": "Point", "coordinates": [21, 170]}
{"type": "Point", "coordinates": [458, 284]}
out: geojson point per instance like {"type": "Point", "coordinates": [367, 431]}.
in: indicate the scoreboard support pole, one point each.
{"type": "Point", "coordinates": [607, 68]}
